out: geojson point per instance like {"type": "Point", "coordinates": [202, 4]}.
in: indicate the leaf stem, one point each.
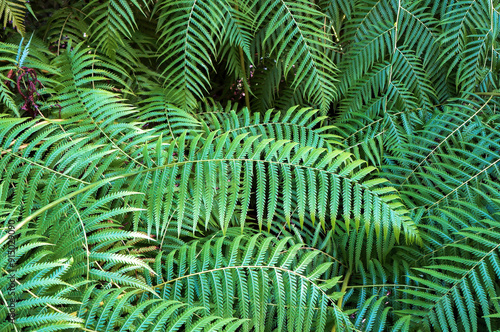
{"type": "Point", "coordinates": [345, 284]}
{"type": "Point", "coordinates": [494, 94]}
{"type": "Point", "coordinates": [245, 82]}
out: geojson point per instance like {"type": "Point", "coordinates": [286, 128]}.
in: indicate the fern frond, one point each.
{"type": "Point", "coordinates": [112, 21]}
{"type": "Point", "coordinates": [248, 273]}
{"type": "Point", "coordinates": [292, 34]}
{"type": "Point", "coordinates": [296, 125]}
{"type": "Point", "coordinates": [13, 11]}
{"type": "Point", "coordinates": [459, 284]}
{"type": "Point", "coordinates": [224, 161]}
{"type": "Point", "coordinates": [158, 111]}
{"type": "Point", "coordinates": [66, 24]}
{"type": "Point", "coordinates": [194, 26]}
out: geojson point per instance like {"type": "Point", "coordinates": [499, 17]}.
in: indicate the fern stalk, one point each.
{"type": "Point", "coordinates": [245, 81]}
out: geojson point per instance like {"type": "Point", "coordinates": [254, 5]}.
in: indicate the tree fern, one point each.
{"type": "Point", "coordinates": [356, 189]}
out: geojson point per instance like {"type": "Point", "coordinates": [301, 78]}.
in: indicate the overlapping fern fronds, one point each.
{"type": "Point", "coordinates": [357, 190]}
{"type": "Point", "coordinates": [89, 172]}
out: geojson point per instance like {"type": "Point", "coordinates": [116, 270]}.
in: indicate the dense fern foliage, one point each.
{"type": "Point", "coordinates": [250, 165]}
